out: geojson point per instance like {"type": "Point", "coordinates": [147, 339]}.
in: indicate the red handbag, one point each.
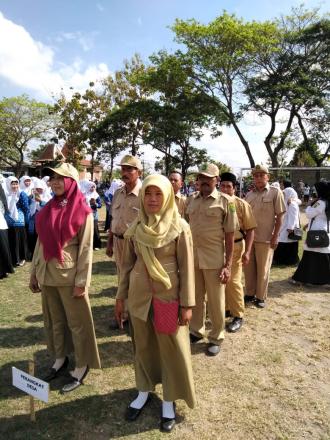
{"type": "Point", "coordinates": [165, 314]}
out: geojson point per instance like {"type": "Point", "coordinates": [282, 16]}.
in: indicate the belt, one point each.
{"type": "Point", "coordinates": [120, 236]}
{"type": "Point", "coordinates": [239, 239]}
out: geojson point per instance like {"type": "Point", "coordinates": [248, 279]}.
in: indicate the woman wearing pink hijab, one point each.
{"type": "Point", "coordinates": [61, 270]}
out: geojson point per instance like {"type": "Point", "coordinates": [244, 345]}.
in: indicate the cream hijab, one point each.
{"type": "Point", "coordinates": [154, 231]}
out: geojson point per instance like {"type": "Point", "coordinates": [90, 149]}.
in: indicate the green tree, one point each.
{"type": "Point", "coordinates": [222, 56]}
{"type": "Point", "coordinates": [22, 120]}
{"type": "Point", "coordinates": [79, 116]}
{"type": "Point", "coordinates": [123, 91]}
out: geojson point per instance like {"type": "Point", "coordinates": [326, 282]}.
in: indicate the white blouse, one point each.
{"type": "Point", "coordinates": [317, 212]}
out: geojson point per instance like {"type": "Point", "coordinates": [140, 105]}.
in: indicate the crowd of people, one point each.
{"type": "Point", "coordinates": [179, 258]}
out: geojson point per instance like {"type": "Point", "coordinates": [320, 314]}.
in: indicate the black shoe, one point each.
{"type": "Point", "coordinates": [114, 325]}
{"type": "Point", "coordinates": [260, 303]}
{"type": "Point", "coordinates": [235, 325]}
{"type": "Point", "coordinates": [52, 373]}
{"type": "Point", "coordinates": [212, 349]}
{"type": "Point", "coordinates": [194, 339]}
{"type": "Point", "coordinates": [74, 383]}
{"type": "Point", "coordinates": [167, 424]}
{"type": "Point", "coordinates": [133, 413]}
{"type": "Point", "coordinates": [249, 298]}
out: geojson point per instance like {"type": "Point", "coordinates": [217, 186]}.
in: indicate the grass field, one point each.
{"type": "Point", "coordinates": [270, 382]}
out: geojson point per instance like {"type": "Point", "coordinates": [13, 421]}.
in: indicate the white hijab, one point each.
{"type": "Point", "coordinates": [45, 196]}
{"type": "Point", "coordinates": [91, 192]}
{"type": "Point", "coordinates": [26, 189]}
{"type": "Point", "coordinates": [290, 193]}
{"type": "Point", "coordinates": [12, 197]}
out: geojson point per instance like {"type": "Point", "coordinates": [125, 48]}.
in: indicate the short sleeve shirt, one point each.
{"type": "Point", "coordinates": [266, 205]}
{"type": "Point", "coordinates": [180, 201]}
{"type": "Point", "coordinates": [125, 208]}
{"type": "Point", "coordinates": [209, 219]}
{"type": "Point", "coordinates": [245, 216]}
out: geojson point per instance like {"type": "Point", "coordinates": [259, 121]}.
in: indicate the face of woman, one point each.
{"type": "Point", "coordinates": [27, 182]}
{"type": "Point", "coordinates": [153, 199]}
{"type": "Point", "coordinates": [14, 186]}
{"type": "Point", "coordinates": [57, 184]}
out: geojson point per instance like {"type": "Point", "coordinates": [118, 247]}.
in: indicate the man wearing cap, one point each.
{"type": "Point", "coordinates": [243, 240]}
{"type": "Point", "coordinates": [268, 207]}
{"type": "Point", "coordinates": [125, 208]}
{"type": "Point", "coordinates": [175, 178]}
{"type": "Point", "coordinates": [213, 221]}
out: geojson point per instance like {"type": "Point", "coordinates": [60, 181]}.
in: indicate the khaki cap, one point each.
{"type": "Point", "coordinates": [66, 170]}
{"type": "Point", "coordinates": [209, 170]}
{"type": "Point", "coordinates": [260, 169]}
{"type": "Point", "coordinates": [131, 161]}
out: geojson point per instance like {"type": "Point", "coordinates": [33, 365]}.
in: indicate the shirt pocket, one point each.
{"type": "Point", "coordinates": [214, 214]}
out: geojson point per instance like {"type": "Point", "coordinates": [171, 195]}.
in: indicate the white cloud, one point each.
{"type": "Point", "coordinates": [31, 64]}
{"type": "Point", "coordinates": [85, 40]}
{"type": "Point", "coordinates": [100, 7]}
{"type": "Point", "coordinates": [139, 21]}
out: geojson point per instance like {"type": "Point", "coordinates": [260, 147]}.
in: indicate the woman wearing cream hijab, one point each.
{"type": "Point", "coordinates": [158, 263]}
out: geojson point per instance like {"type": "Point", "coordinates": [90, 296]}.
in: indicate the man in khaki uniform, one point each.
{"type": "Point", "coordinates": [213, 221]}
{"type": "Point", "coordinates": [268, 207]}
{"type": "Point", "coordinates": [243, 241]}
{"type": "Point", "coordinates": [125, 208]}
{"type": "Point", "coordinates": [176, 181]}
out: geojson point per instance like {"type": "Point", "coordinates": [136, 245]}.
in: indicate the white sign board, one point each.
{"type": "Point", "coordinates": [30, 384]}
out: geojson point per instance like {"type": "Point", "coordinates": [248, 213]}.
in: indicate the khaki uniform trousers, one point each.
{"type": "Point", "coordinates": [165, 359]}
{"type": "Point", "coordinates": [118, 250]}
{"type": "Point", "coordinates": [234, 287]}
{"type": "Point", "coordinates": [258, 270]}
{"type": "Point", "coordinates": [69, 326]}
{"type": "Point", "coordinates": [207, 282]}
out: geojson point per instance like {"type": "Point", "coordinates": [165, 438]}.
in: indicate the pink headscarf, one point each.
{"type": "Point", "coordinates": [61, 219]}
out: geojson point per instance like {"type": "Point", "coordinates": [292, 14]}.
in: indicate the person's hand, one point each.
{"type": "Point", "coordinates": [274, 242]}
{"type": "Point", "coordinates": [305, 227]}
{"type": "Point", "coordinates": [120, 312]}
{"type": "Point", "coordinates": [79, 292]}
{"type": "Point", "coordinates": [245, 258]}
{"type": "Point", "coordinates": [224, 275]}
{"type": "Point", "coordinates": [37, 197]}
{"type": "Point", "coordinates": [109, 250]}
{"type": "Point", "coordinates": [34, 285]}
{"type": "Point", "coordinates": [185, 315]}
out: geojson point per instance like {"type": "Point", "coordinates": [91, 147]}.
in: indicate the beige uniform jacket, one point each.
{"type": "Point", "coordinates": [209, 219]}
{"type": "Point", "coordinates": [125, 208]}
{"type": "Point", "coordinates": [266, 204]}
{"type": "Point", "coordinates": [76, 268]}
{"type": "Point", "coordinates": [245, 217]}
{"type": "Point", "coordinates": [136, 286]}
{"type": "Point", "coordinates": [180, 201]}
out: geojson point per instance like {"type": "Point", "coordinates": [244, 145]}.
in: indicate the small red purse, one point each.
{"type": "Point", "coordinates": [165, 314]}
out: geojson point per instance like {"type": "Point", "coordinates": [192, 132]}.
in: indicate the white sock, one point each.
{"type": "Point", "coordinates": [58, 363]}
{"type": "Point", "coordinates": [168, 410]}
{"type": "Point", "coordinates": [140, 400]}
{"type": "Point", "coordinates": [78, 373]}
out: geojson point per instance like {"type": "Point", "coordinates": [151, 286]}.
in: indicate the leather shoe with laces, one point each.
{"type": "Point", "coordinates": [235, 325]}
{"type": "Point", "coordinates": [53, 373]}
{"type": "Point", "coordinates": [133, 413]}
{"type": "Point", "coordinates": [249, 299]}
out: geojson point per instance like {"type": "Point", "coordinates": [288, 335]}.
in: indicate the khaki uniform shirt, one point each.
{"type": "Point", "coordinates": [266, 204]}
{"type": "Point", "coordinates": [209, 219]}
{"type": "Point", "coordinates": [76, 268]}
{"type": "Point", "coordinates": [245, 217]}
{"type": "Point", "coordinates": [180, 201]}
{"type": "Point", "coordinates": [136, 285]}
{"type": "Point", "coordinates": [125, 208]}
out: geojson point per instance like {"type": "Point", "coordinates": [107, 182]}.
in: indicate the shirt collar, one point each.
{"type": "Point", "coordinates": [214, 194]}
{"type": "Point", "coordinates": [265, 189]}
{"type": "Point", "coordinates": [136, 188]}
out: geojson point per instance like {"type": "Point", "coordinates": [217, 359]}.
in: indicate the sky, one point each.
{"type": "Point", "coordinates": [48, 45]}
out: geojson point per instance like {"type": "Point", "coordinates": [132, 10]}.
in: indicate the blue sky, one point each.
{"type": "Point", "coordinates": [46, 45]}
